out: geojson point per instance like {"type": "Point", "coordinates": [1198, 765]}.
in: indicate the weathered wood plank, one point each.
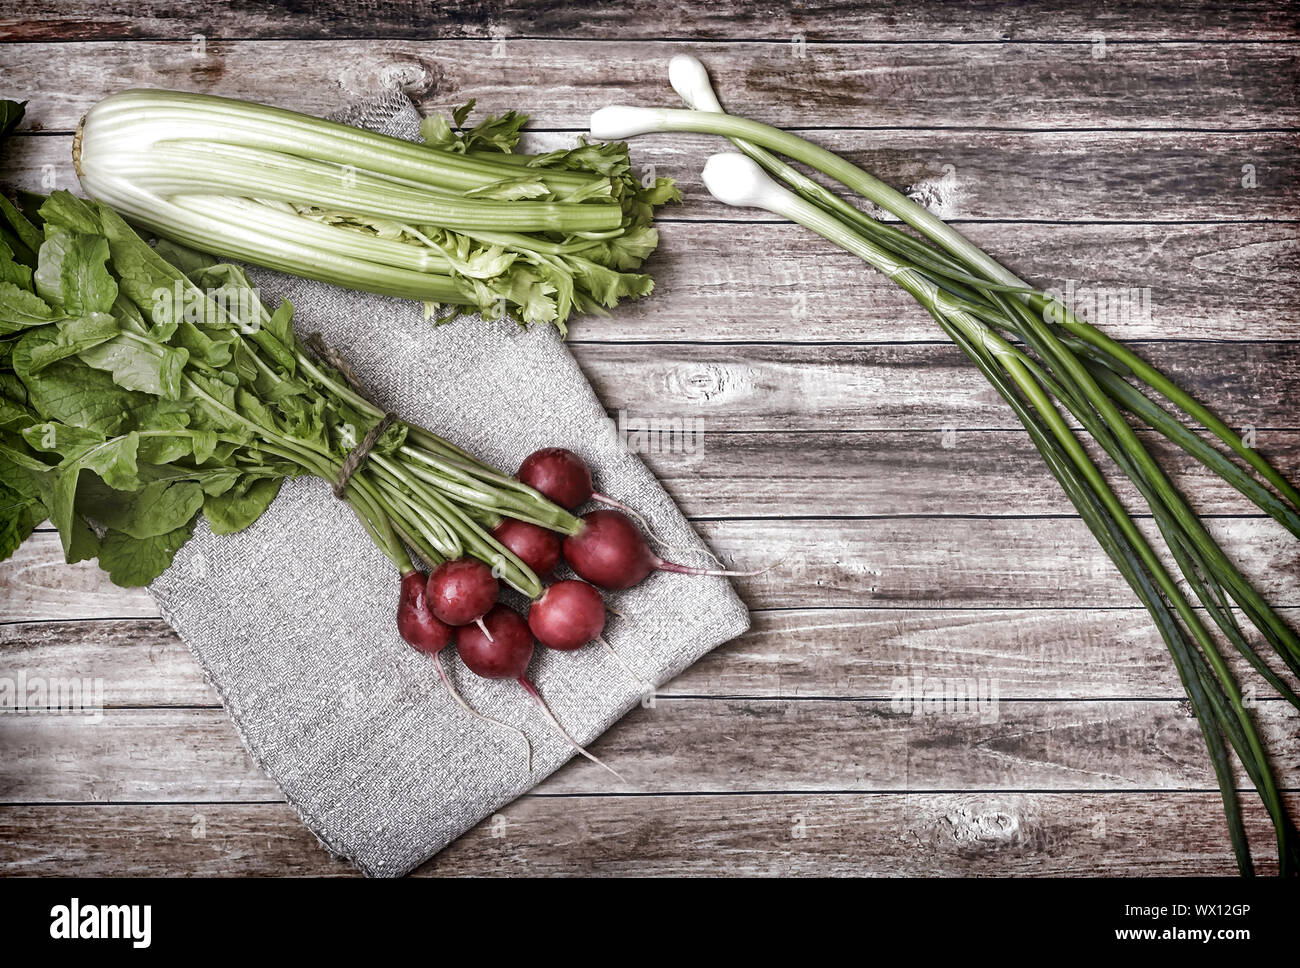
{"type": "Point", "coordinates": [922, 562]}
{"type": "Point", "coordinates": [145, 755]}
{"type": "Point", "coordinates": [788, 653]}
{"type": "Point", "coordinates": [936, 834]}
{"type": "Point", "coordinates": [908, 387]}
{"type": "Point", "coordinates": [889, 473]}
{"type": "Point", "coordinates": [834, 745]}
{"type": "Point", "coordinates": [905, 835]}
{"type": "Point", "coordinates": [692, 746]}
{"type": "Point", "coordinates": [742, 283]}
{"type": "Point", "coordinates": [39, 584]}
{"type": "Point", "coordinates": [1031, 654]}
{"type": "Point", "coordinates": [1056, 177]}
{"type": "Point", "coordinates": [816, 21]}
{"type": "Point", "coordinates": [141, 662]}
{"type": "Point", "coordinates": [1246, 85]}
{"type": "Point", "coordinates": [774, 474]}
{"type": "Point", "coordinates": [967, 562]}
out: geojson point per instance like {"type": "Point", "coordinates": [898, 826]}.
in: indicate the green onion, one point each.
{"type": "Point", "coordinates": [1048, 364]}
{"type": "Point", "coordinates": [451, 222]}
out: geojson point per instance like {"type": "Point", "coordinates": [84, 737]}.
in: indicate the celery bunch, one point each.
{"type": "Point", "coordinates": [461, 222]}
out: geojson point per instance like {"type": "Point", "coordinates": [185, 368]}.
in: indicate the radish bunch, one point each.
{"type": "Point", "coordinates": [458, 600]}
{"type": "Point", "coordinates": [608, 550]}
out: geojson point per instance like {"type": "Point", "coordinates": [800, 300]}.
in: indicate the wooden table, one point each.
{"type": "Point", "coordinates": [1139, 144]}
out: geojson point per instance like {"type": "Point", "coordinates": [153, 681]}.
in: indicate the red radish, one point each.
{"type": "Point", "coordinates": [415, 621]}
{"type": "Point", "coordinates": [506, 654]}
{"type": "Point", "coordinates": [501, 647]}
{"type": "Point", "coordinates": [610, 552]}
{"type": "Point", "coordinates": [536, 547]}
{"type": "Point", "coordinates": [461, 591]}
{"type": "Point", "coordinates": [423, 631]}
{"type": "Point", "coordinates": [560, 474]}
{"type": "Point", "coordinates": [567, 616]}
{"type": "Point", "coordinates": [565, 478]}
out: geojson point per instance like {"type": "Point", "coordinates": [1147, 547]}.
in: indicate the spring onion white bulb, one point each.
{"type": "Point", "coordinates": [625, 121]}
{"type": "Point", "coordinates": [735, 180]}
{"type": "Point", "coordinates": [691, 82]}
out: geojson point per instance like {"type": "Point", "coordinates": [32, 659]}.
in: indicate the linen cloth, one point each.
{"type": "Point", "coordinates": [292, 620]}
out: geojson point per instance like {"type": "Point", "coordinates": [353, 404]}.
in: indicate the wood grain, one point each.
{"type": "Point", "coordinates": [1031, 653]}
{"type": "Point", "coordinates": [817, 20]}
{"type": "Point", "coordinates": [39, 584]}
{"type": "Point", "coordinates": [692, 746]}
{"type": "Point", "coordinates": [970, 562]}
{"type": "Point", "coordinates": [876, 473]}
{"type": "Point", "coordinates": [883, 473]}
{"type": "Point", "coordinates": [1056, 177]}
{"type": "Point", "coordinates": [142, 662]}
{"type": "Point", "coordinates": [1175, 85]}
{"type": "Point", "coordinates": [921, 562]}
{"type": "Point", "coordinates": [743, 283]}
{"type": "Point", "coordinates": [900, 387]}
{"type": "Point", "coordinates": [1040, 653]}
{"type": "Point", "coordinates": [916, 834]}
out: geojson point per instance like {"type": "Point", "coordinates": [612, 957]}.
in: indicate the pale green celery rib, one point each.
{"type": "Point", "coordinates": [514, 159]}
{"type": "Point", "coordinates": [223, 170]}
{"type": "Point", "coordinates": [346, 242]}
{"type": "Point", "coordinates": [260, 125]}
{"type": "Point", "coordinates": [233, 239]}
{"type": "Point", "coordinates": [515, 240]}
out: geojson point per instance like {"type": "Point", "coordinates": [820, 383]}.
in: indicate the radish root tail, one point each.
{"type": "Point", "coordinates": [460, 701]}
{"type": "Point", "coordinates": [631, 620]}
{"type": "Point", "coordinates": [484, 629]}
{"type": "Point", "coordinates": [640, 679]}
{"type": "Point", "coordinates": [555, 723]}
{"type": "Point", "coordinates": [662, 565]}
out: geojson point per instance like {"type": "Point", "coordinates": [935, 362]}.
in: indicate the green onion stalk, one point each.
{"type": "Point", "coordinates": [1049, 366]}
{"type": "Point", "coordinates": [461, 222]}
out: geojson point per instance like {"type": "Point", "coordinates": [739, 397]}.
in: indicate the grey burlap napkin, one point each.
{"type": "Point", "coordinates": [292, 620]}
